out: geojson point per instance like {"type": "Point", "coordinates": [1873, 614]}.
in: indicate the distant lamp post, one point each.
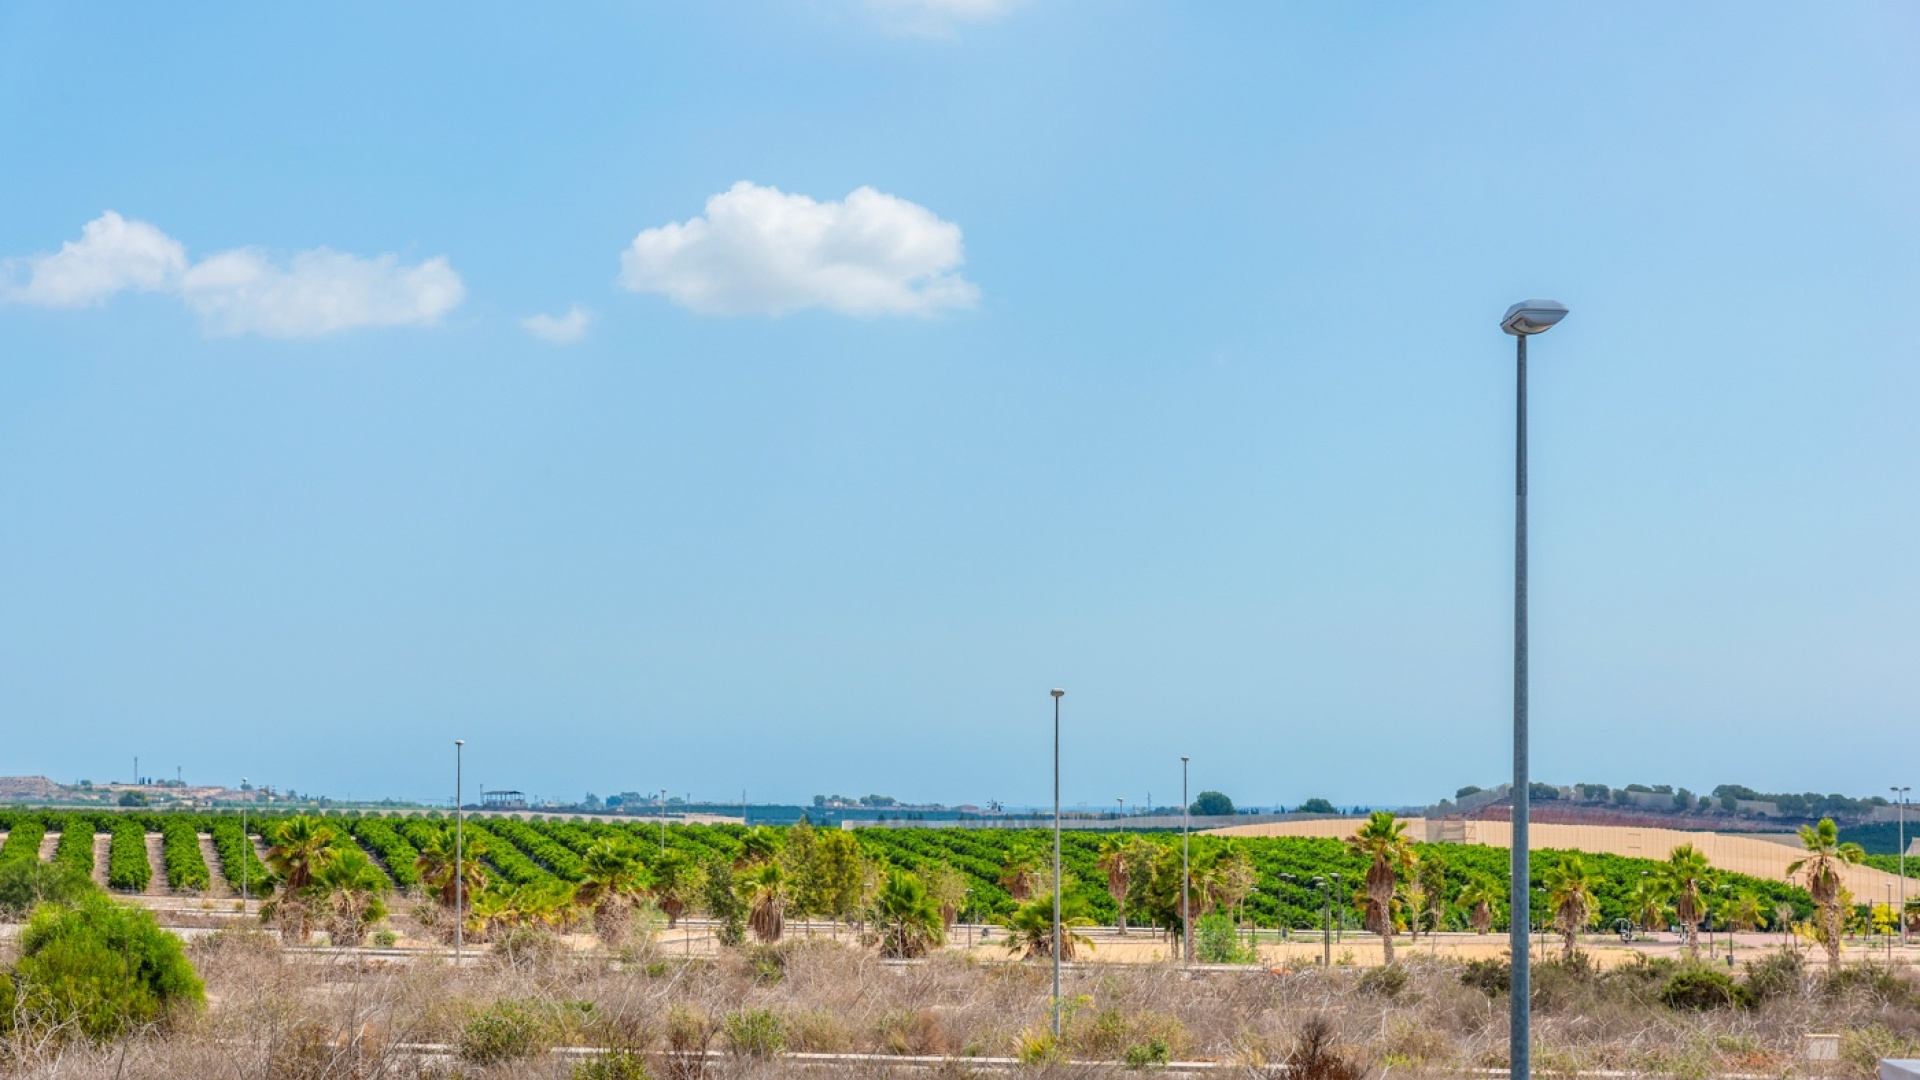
{"type": "Point", "coordinates": [244, 845]}
{"type": "Point", "coordinates": [459, 852]}
{"type": "Point", "coordinates": [1186, 825]}
{"type": "Point", "coordinates": [1900, 913]}
{"type": "Point", "coordinates": [1522, 320]}
{"type": "Point", "coordinates": [1057, 695]}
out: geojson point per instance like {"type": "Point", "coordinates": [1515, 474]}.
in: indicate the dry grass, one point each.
{"type": "Point", "coordinates": [303, 1017]}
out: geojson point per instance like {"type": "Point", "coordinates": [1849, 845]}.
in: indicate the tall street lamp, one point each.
{"type": "Point", "coordinates": [1901, 801]}
{"type": "Point", "coordinates": [1522, 320]}
{"type": "Point", "coordinates": [459, 853]}
{"type": "Point", "coordinates": [1057, 695]}
{"type": "Point", "coordinates": [1186, 824]}
{"type": "Point", "coordinates": [244, 845]}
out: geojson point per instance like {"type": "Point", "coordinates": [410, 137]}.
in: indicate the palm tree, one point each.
{"type": "Point", "coordinates": [1742, 912]}
{"type": "Point", "coordinates": [299, 846]}
{"type": "Point", "coordinates": [1825, 856]}
{"type": "Point", "coordinates": [349, 887]}
{"type": "Point", "coordinates": [1687, 878]}
{"type": "Point", "coordinates": [1115, 854]}
{"type": "Point", "coordinates": [1382, 841]}
{"type": "Point", "coordinates": [948, 888]}
{"type": "Point", "coordinates": [766, 889]}
{"type": "Point", "coordinates": [1570, 897]}
{"type": "Point", "coordinates": [677, 882]}
{"type": "Point", "coordinates": [436, 865]}
{"type": "Point", "coordinates": [759, 845]}
{"type": "Point", "coordinates": [907, 917]}
{"type": "Point", "coordinates": [1480, 898]}
{"type": "Point", "coordinates": [1021, 875]}
{"type": "Point", "coordinates": [1648, 903]}
{"type": "Point", "coordinates": [1230, 880]}
{"type": "Point", "coordinates": [613, 880]}
{"type": "Point", "coordinates": [1030, 927]}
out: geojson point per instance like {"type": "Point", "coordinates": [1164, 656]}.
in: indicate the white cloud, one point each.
{"type": "Point", "coordinates": [558, 329]}
{"type": "Point", "coordinates": [241, 291]}
{"type": "Point", "coordinates": [760, 251]}
{"type": "Point", "coordinates": [112, 254]}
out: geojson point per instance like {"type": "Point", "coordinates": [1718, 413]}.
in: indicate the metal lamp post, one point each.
{"type": "Point", "coordinates": [1522, 320]}
{"type": "Point", "coordinates": [1186, 823]}
{"type": "Point", "coordinates": [1326, 922]}
{"type": "Point", "coordinates": [1900, 802]}
{"type": "Point", "coordinates": [459, 853]}
{"type": "Point", "coordinates": [1057, 695]}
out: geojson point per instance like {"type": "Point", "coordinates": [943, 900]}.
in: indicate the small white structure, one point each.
{"type": "Point", "coordinates": [1823, 1047]}
{"type": "Point", "coordinates": [1908, 1069]}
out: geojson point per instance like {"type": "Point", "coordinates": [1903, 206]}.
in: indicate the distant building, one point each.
{"type": "Point", "coordinates": [503, 800]}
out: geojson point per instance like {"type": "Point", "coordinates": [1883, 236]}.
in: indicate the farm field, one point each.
{"type": "Point", "coordinates": [200, 855]}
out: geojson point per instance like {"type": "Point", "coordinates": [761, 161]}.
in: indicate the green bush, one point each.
{"type": "Point", "coordinates": [1778, 973]}
{"type": "Point", "coordinates": [1700, 987]}
{"type": "Point", "coordinates": [236, 851]}
{"type": "Point", "coordinates": [1147, 1054]}
{"type": "Point", "coordinates": [507, 1030]}
{"type": "Point", "coordinates": [1217, 941]}
{"type": "Point", "coordinates": [27, 883]}
{"type": "Point", "coordinates": [755, 1032]}
{"type": "Point", "coordinates": [102, 969]}
{"type": "Point", "coordinates": [127, 866]}
{"type": "Point", "coordinates": [614, 1065]}
{"type": "Point", "coordinates": [1388, 981]}
{"type": "Point", "coordinates": [1488, 976]}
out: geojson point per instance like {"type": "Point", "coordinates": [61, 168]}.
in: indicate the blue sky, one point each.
{"type": "Point", "coordinates": [1145, 350]}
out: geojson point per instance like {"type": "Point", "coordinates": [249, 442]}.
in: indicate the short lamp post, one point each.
{"type": "Point", "coordinates": [1186, 826]}
{"type": "Point", "coordinates": [1900, 913]}
{"type": "Point", "coordinates": [1522, 320]}
{"type": "Point", "coordinates": [459, 851]}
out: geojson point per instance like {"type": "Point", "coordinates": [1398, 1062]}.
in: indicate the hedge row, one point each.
{"type": "Point", "coordinates": [506, 858]}
{"type": "Point", "coordinates": [180, 844]}
{"type": "Point", "coordinates": [545, 850]}
{"type": "Point", "coordinates": [75, 848]}
{"type": "Point", "coordinates": [23, 840]}
{"type": "Point", "coordinates": [236, 852]}
{"type": "Point", "coordinates": [127, 867]}
{"type": "Point", "coordinates": [391, 848]}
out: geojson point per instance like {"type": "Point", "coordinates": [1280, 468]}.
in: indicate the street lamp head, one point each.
{"type": "Point", "coordinates": [1184, 759]}
{"type": "Point", "coordinates": [459, 742]}
{"type": "Point", "coordinates": [1057, 692]}
{"type": "Point", "coordinates": [1532, 316]}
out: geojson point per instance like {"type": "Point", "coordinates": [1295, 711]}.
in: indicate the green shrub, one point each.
{"type": "Point", "coordinates": [26, 883]}
{"type": "Point", "coordinates": [1147, 1054]}
{"type": "Point", "coordinates": [507, 1030]}
{"type": "Point", "coordinates": [1776, 974]}
{"type": "Point", "coordinates": [385, 939]}
{"type": "Point", "coordinates": [1217, 941]}
{"type": "Point", "coordinates": [1701, 987]}
{"type": "Point", "coordinates": [1384, 982]}
{"type": "Point", "coordinates": [127, 866]}
{"type": "Point", "coordinates": [754, 1032]}
{"type": "Point", "coordinates": [1489, 976]}
{"type": "Point", "coordinates": [614, 1065]}
{"type": "Point", "coordinates": [236, 852]}
{"type": "Point", "coordinates": [102, 969]}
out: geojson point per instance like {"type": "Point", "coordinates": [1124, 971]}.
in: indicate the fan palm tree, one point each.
{"type": "Point", "coordinates": [1021, 875]}
{"type": "Point", "coordinates": [299, 847]}
{"type": "Point", "coordinates": [907, 917]}
{"type": "Point", "coordinates": [1821, 869]}
{"type": "Point", "coordinates": [1114, 860]}
{"type": "Point", "coordinates": [1030, 927]}
{"type": "Point", "coordinates": [436, 866]}
{"type": "Point", "coordinates": [349, 887]}
{"type": "Point", "coordinates": [766, 895]}
{"type": "Point", "coordinates": [612, 880]}
{"type": "Point", "coordinates": [677, 882]}
{"type": "Point", "coordinates": [1743, 912]}
{"type": "Point", "coordinates": [1230, 880]}
{"type": "Point", "coordinates": [1383, 842]}
{"type": "Point", "coordinates": [759, 845]}
{"type": "Point", "coordinates": [1480, 898]}
{"type": "Point", "coordinates": [948, 888]}
{"type": "Point", "coordinates": [1570, 897]}
{"type": "Point", "coordinates": [1688, 878]}
{"type": "Point", "coordinates": [1648, 903]}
